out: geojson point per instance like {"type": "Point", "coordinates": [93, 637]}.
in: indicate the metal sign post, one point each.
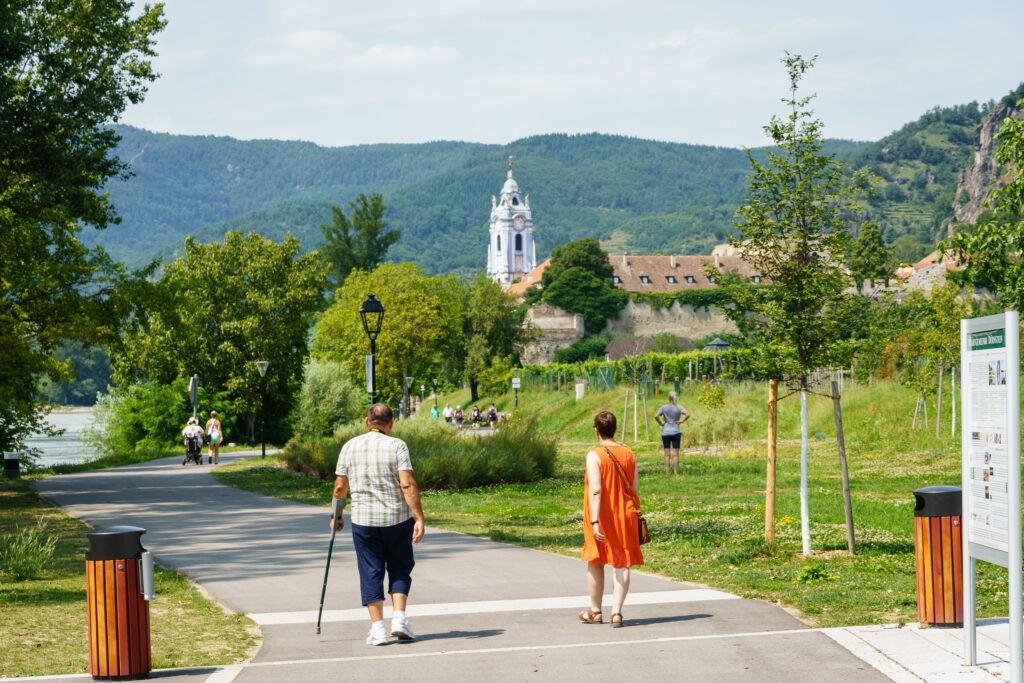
{"type": "Point", "coordinates": [990, 447]}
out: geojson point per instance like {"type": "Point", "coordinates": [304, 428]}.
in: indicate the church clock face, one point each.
{"type": "Point", "coordinates": [518, 222]}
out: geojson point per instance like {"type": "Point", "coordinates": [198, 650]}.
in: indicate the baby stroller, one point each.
{"type": "Point", "coordinates": [193, 449]}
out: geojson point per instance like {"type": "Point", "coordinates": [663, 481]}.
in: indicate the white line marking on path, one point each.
{"type": "Point", "coordinates": [530, 648]}
{"type": "Point", "coordinates": [519, 605]}
{"type": "Point", "coordinates": [225, 674]}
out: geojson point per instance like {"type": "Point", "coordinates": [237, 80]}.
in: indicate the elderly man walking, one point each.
{"type": "Point", "coordinates": [387, 519]}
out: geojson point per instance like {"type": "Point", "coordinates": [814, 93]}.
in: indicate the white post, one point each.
{"type": "Point", "coordinates": [634, 416]}
{"type": "Point", "coordinates": [805, 521]}
{"type": "Point", "coordinates": [625, 413]}
{"type": "Point", "coordinates": [952, 398]}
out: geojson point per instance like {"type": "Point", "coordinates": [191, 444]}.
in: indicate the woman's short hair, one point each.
{"type": "Point", "coordinates": [673, 397]}
{"type": "Point", "coordinates": [213, 413]}
{"type": "Point", "coordinates": [604, 423]}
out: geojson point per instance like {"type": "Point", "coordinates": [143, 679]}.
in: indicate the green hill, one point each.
{"type": "Point", "coordinates": [635, 195]}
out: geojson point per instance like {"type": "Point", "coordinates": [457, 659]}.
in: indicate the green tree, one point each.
{"type": "Point", "coordinates": [359, 242]}
{"type": "Point", "coordinates": [991, 253]}
{"type": "Point", "coordinates": [586, 254]}
{"type": "Point", "coordinates": [218, 309]}
{"type": "Point", "coordinates": [67, 70]}
{"type": "Point", "coordinates": [794, 229]}
{"type": "Point", "coordinates": [492, 332]}
{"type": "Point", "coordinates": [580, 291]}
{"type": "Point", "coordinates": [422, 325]}
{"type": "Point", "coordinates": [870, 259]}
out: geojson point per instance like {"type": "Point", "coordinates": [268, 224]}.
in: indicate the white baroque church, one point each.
{"type": "Point", "coordinates": [511, 253]}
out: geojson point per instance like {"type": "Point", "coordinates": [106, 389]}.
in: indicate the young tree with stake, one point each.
{"type": "Point", "coordinates": [795, 225]}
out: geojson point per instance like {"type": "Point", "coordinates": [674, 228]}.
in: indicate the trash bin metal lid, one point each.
{"type": "Point", "coordinates": [938, 501]}
{"type": "Point", "coordinates": [115, 543]}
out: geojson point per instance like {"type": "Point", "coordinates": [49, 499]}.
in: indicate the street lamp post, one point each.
{"type": "Point", "coordinates": [372, 313]}
{"type": "Point", "coordinates": [261, 365]}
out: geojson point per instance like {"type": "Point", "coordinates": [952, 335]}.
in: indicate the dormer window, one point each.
{"type": "Point", "coordinates": [755, 279]}
{"type": "Point", "coordinates": [671, 279]}
{"type": "Point", "coordinates": [644, 279]}
{"type": "Point", "coordinates": [616, 280]}
{"type": "Point", "coordinates": [690, 279]}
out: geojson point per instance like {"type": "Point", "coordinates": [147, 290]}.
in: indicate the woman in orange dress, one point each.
{"type": "Point", "coordinates": [610, 534]}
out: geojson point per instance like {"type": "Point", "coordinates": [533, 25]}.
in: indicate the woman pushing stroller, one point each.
{"type": "Point", "coordinates": [193, 435]}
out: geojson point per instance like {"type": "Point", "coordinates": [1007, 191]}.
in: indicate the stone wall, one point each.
{"type": "Point", "coordinates": [559, 329]}
{"type": "Point", "coordinates": [642, 320]}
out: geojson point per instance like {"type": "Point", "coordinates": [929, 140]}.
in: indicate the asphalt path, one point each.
{"type": "Point", "coordinates": [481, 610]}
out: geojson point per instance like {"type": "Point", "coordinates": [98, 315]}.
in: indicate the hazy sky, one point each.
{"type": "Point", "coordinates": [340, 72]}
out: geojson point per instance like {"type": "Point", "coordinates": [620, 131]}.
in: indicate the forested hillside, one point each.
{"type": "Point", "coordinates": [182, 183]}
{"type": "Point", "coordinates": [634, 195]}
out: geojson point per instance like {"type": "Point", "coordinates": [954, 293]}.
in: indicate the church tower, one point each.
{"type": "Point", "coordinates": [511, 254]}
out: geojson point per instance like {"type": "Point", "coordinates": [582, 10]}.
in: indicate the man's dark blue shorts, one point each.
{"type": "Point", "coordinates": [380, 549]}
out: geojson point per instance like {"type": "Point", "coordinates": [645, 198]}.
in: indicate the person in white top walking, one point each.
{"type": "Point", "coordinates": [387, 519]}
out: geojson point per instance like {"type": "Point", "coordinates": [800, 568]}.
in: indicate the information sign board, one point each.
{"type": "Point", "coordinates": [515, 382]}
{"type": "Point", "coordinates": [369, 373]}
{"type": "Point", "coordinates": [990, 450]}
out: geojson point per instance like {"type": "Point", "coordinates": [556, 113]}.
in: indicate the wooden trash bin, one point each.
{"type": "Point", "coordinates": [119, 575]}
{"type": "Point", "coordinates": [938, 546]}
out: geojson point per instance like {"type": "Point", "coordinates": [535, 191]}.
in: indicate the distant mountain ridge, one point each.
{"type": "Point", "coordinates": [634, 195]}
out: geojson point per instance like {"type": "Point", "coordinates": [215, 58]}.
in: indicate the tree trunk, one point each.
{"type": "Point", "coordinates": [769, 492]}
{"type": "Point", "coordinates": [841, 443]}
{"type": "Point", "coordinates": [473, 395]}
{"type": "Point", "coordinates": [805, 515]}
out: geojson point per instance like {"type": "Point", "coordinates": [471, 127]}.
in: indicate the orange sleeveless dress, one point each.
{"type": "Point", "coordinates": [618, 517]}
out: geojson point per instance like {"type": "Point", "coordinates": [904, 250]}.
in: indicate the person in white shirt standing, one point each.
{"type": "Point", "coordinates": [387, 519]}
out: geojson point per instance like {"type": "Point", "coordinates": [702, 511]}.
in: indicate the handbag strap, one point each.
{"type": "Point", "coordinates": [622, 475]}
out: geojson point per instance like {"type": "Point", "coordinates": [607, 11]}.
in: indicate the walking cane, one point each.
{"type": "Point", "coordinates": [330, 549]}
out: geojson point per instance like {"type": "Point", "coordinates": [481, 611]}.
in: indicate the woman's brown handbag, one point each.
{"type": "Point", "coordinates": [641, 523]}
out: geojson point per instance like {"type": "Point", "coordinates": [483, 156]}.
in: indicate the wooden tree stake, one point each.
{"type": "Point", "coordinates": [847, 503]}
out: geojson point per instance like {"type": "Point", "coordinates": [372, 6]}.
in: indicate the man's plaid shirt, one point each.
{"type": "Point", "coordinates": [371, 462]}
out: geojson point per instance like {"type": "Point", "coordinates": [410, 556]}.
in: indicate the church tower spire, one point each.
{"type": "Point", "coordinates": [510, 254]}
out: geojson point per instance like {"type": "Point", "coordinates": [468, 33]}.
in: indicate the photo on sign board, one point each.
{"type": "Point", "coordinates": [996, 373]}
{"type": "Point", "coordinates": [984, 475]}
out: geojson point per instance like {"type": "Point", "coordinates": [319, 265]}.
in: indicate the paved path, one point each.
{"type": "Point", "coordinates": [482, 610]}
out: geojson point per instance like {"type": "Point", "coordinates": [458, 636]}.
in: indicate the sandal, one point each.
{"type": "Point", "coordinates": [616, 620]}
{"type": "Point", "coordinates": [589, 616]}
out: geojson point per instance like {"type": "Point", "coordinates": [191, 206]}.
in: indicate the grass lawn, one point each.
{"type": "Point", "coordinates": [707, 523]}
{"type": "Point", "coordinates": [43, 625]}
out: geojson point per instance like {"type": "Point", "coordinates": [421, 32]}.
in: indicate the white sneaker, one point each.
{"type": "Point", "coordinates": [375, 637]}
{"type": "Point", "coordinates": [400, 629]}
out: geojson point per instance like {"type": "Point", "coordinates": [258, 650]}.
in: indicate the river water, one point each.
{"type": "Point", "coordinates": [68, 447]}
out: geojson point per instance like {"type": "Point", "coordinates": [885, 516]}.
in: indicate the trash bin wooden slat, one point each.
{"type": "Point", "coordinates": [938, 555]}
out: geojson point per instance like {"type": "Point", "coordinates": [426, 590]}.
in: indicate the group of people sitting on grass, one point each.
{"type": "Point", "coordinates": [476, 417]}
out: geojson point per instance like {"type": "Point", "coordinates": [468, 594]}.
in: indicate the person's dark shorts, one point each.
{"type": "Point", "coordinates": [671, 441]}
{"type": "Point", "coordinates": [381, 549]}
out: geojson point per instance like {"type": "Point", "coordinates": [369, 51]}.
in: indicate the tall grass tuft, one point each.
{"type": "Point", "coordinates": [441, 457]}
{"type": "Point", "coordinates": [25, 553]}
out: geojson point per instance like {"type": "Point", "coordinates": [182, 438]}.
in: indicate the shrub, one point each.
{"type": "Point", "coordinates": [24, 554]}
{"type": "Point", "coordinates": [328, 399]}
{"type": "Point", "coordinates": [441, 457]}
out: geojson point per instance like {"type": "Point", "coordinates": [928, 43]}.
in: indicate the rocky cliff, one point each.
{"type": "Point", "coordinates": [981, 178]}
